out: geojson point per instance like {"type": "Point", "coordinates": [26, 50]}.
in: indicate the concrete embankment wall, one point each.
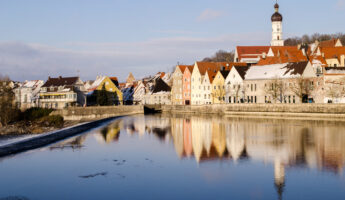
{"type": "Point", "coordinates": [317, 110]}
{"type": "Point", "coordinates": [49, 138]}
{"type": "Point", "coordinates": [97, 112]}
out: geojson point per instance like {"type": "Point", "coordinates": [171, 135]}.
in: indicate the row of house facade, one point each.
{"type": "Point", "coordinates": [273, 74]}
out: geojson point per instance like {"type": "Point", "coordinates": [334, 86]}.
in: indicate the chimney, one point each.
{"type": "Point", "coordinates": [323, 54]}
{"type": "Point", "coordinates": [222, 68]}
{"type": "Point", "coordinates": [60, 77]}
{"type": "Point", "coordinates": [48, 77]}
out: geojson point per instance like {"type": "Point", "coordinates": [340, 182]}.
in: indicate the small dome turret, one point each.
{"type": "Point", "coordinates": [277, 17]}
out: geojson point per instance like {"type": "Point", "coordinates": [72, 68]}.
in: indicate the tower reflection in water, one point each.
{"type": "Point", "coordinates": [283, 143]}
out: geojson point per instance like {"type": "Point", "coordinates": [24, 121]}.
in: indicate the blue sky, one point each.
{"type": "Point", "coordinates": [39, 38]}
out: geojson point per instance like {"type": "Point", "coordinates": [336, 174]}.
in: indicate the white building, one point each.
{"type": "Point", "coordinates": [139, 93]}
{"type": "Point", "coordinates": [234, 89]}
{"type": "Point", "coordinates": [261, 83]}
{"type": "Point", "coordinates": [62, 92]}
{"type": "Point", "coordinates": [27, 95]}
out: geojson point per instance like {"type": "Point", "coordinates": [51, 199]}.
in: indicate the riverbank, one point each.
{"type": "Point", "coordinates": [26, 128]}
{"type": "Point", "coordinates": [281, 110]}
{"type": "Point", "coordinates": [49, 138]}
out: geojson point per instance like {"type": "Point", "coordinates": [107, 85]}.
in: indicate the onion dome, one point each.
{"type": "Point", "coordinates": [276, 17]}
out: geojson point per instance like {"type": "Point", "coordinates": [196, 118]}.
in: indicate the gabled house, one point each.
{"type": "Point", "coordinates": [161, 93]}
{"type": "Point", "coordinates": [62, 92]}
{"type": "Point", "coordinates": [139, 93]}
{"type": "Point", "coordinates": [177, 85]}
{"type": "Point", "coordinates": [26, 96]}
{"type": "Point", "coordinates": [186, 82]}
{"type": "Point", "coordinates": [234, 89]}
{"type": "Point", "coordinates": [218, 87]}
{"type": "Point", "coordinates": [198, 76]}
{"type": "Point", "coordinates": [113, 92]}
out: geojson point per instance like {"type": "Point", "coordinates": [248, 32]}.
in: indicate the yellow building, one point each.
{"type": "Point", "coordinates": [218, 86]}
{"type": "Point", "coordinates": [109, 85]}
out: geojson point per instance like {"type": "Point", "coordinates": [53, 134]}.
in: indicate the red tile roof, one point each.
{"type": "Point", "coordinates": [328, 43]}
{"type": "Point", "coordinates": [251, 51]}
{"type": "Point", "coordinates": [333, 52]}
{"type": "Point", "coordinates": [283, 54]}
{"type": "Point", "coordinates": [183, 67]}
{"type": "Point", "coordinates": [204, 66]}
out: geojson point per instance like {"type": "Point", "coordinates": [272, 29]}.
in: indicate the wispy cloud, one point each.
{"type": "Point", "coordinates": [23, 61]}
{"type": "Point", "coordinates": [209, 14]}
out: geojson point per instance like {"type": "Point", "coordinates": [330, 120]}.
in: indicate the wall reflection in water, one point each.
{"type": "Point", "coordinates": [284, 143]}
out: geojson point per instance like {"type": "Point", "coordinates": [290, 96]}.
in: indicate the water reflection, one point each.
{"type": "Point", "coordinates": [241, 158]}
{"type": "Point", "coordinates": [284, 143]}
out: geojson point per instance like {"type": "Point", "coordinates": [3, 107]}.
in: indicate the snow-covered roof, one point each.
{"type": "Point", "coordinates": [335, 70]}
{"type": "Point", "coordinates": [31, 84]}
{"type": "Point", "coordinates": [97, 82]}
{"type": "Point", "coordinates": [286, 70]}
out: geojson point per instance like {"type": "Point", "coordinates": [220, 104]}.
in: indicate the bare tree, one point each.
{"type": "Point", "coordinates": [307, 39]}
{"type": "Point", "coordinates": [276, 89]}
{"type": "Point", "coordinates": [8, 111]}
{"type": "Point", "coordinates": [219, 93]}
{"type": "Point", "coordinates": [221, 56]}
{"type": "Point", "coordinates": [302, 88]}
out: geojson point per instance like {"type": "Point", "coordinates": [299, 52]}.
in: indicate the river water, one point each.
{"type": "Point", "coordinates": [185, 157]}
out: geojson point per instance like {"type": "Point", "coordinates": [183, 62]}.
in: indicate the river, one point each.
{"type": "Point", "coordinates": [185, 157]}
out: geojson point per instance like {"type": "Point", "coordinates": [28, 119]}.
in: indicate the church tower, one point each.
{"type": "Point", "coordinates": [277, 27]}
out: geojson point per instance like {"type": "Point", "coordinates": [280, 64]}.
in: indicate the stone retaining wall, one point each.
{"type": "Point", "coordinates": [223, 109]}
{"type": "Point", "coordinates": [97, 112]}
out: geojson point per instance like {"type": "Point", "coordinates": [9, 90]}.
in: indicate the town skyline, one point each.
{"type": "Point", "coordinates": [69, 39]}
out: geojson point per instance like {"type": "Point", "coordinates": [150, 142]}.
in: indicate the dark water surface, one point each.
{"type": "Point", "coordinates": [185, 157]}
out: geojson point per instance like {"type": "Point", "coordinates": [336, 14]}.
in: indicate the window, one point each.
{"type": "Point", "coordinates": [294, 101]}
{"type": "Point", "coordinates": [215, 87]}
{"type": "Point", "coordinates": [255, 87]}
{"type": "Point", "coordinates": [251, 87]}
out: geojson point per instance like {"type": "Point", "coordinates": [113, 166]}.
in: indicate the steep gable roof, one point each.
{"type": "Point", "coordinates": [242, 70]}
{"type": "Point", "coordinates": [205, 66]}
{"type": "Point", "coordinates": [161, 86]}
{"type": "Point", "coordinates": [183, 67]}
{"type": "Point", "coordinates": [60, 81]}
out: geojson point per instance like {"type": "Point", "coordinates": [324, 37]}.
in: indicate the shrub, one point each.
{"type": "Point", "coordinates": [33, 114]}
{"type": "Point", "coordinates": [52, 120]}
